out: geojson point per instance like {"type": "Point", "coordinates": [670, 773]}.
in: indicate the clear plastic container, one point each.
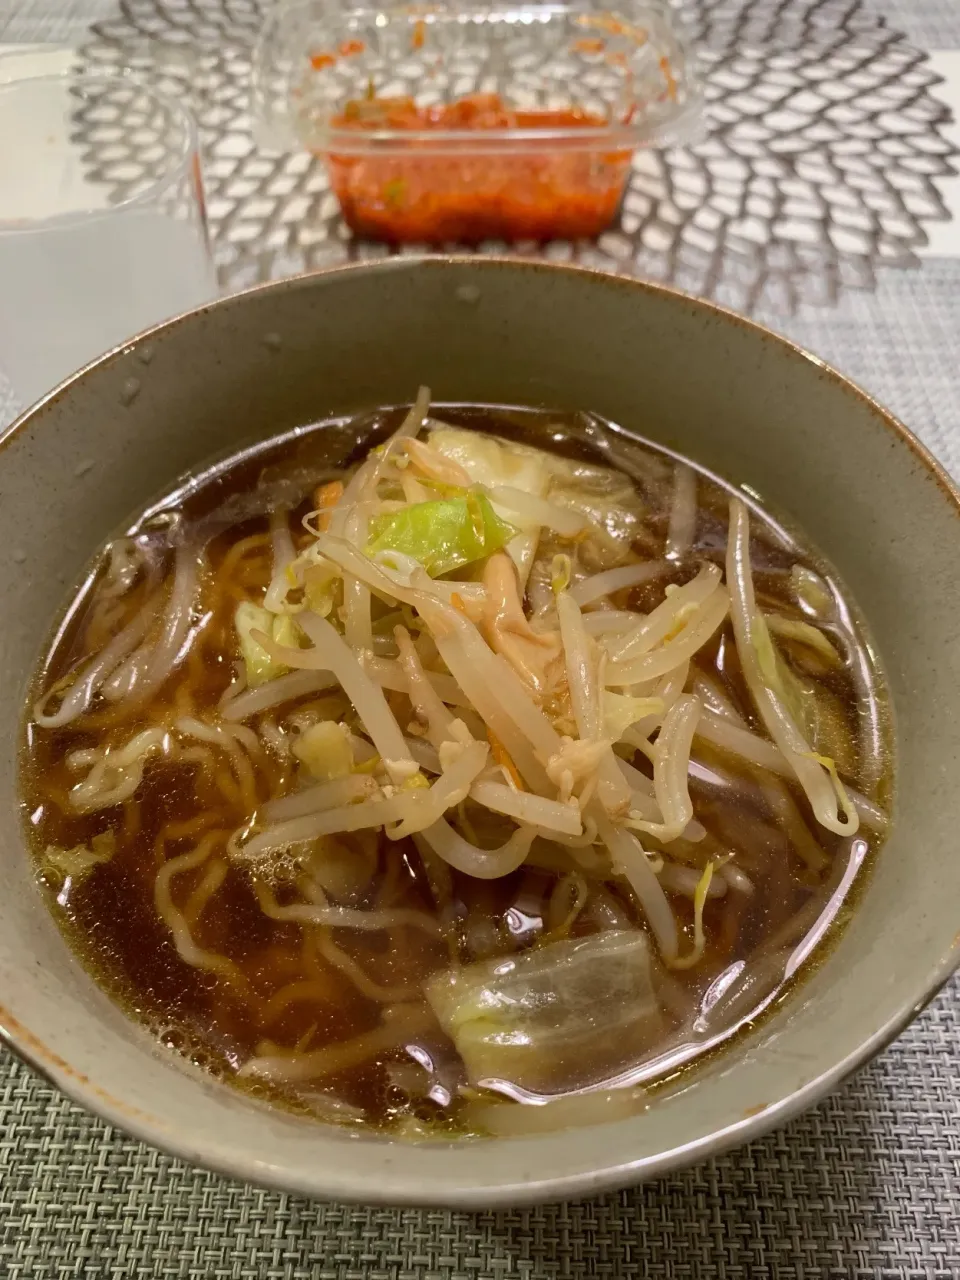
{"type": "Point", "coordinates": [449, 123]}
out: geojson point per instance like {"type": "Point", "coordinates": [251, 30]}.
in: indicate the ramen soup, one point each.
{"type": "Point", "coordinates": [454, 770]}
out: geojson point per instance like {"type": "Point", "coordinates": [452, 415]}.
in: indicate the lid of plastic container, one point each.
{"type": "Point", "coordinates": [350, 80]}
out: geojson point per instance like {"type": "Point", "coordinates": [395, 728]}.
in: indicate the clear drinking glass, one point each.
{"type": "Point", "coordinates": [102, 222]}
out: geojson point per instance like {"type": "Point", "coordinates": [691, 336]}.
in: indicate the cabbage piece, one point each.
{"type": "Point", "coordinates": [806, 635]}
{"type": "Point", "coordinates": [814, 709]}
{"type": "Point", "coordinates": [606, 498]}
{"type": "Point", "coordinates": [260, 666]}
{"type": "Point", "coordinates": [76, 864]}
{"type": "Point", "coordinates": [490, 462]}
{"type": "Point", "coordinates": [326, 750]}
{"type": "Point", "coordinates": [558, 1017]}
{"type": "Point", "coordinates": [442, 535]}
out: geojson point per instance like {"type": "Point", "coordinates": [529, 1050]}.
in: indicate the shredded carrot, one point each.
{"type": "Point", "coordinates": [502, 756]}
{"type": "Point", "coordinates": [419, 34]}
{"type": "Point", "coordinates": [325, 498]}
{"type": "Point", "coordinates": [669, 77]}
{"type": "Point", "coordinates": [350, 47]}
{"type": "Point", "coordinates": [320, 61]}
{"type": "Point", "coordinates": [328, 495]}
{"type": "Point", "coordinates": [593, 45]}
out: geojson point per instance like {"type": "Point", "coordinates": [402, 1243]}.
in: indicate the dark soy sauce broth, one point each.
{"type": "Point", "coordinates": [288, 995]}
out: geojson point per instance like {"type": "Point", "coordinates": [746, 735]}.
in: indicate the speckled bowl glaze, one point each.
{"type": "Point", "coordinates": [734, 397]}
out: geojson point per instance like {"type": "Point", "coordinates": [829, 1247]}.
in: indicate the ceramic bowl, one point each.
{"type": "Point", "coordinates": [737, 399]}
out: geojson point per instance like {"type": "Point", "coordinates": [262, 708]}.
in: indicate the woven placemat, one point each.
{"type": "Point", "coordinates": [864, 1187]}
{"type": "Point", "coordinates": [932, 24]}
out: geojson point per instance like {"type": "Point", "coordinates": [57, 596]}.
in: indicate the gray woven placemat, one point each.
{"type": "Point", "coordinates": [864, 1187]}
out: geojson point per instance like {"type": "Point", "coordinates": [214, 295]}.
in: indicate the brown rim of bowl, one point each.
{"type": "Point", "coordinates": [221, 1158]}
